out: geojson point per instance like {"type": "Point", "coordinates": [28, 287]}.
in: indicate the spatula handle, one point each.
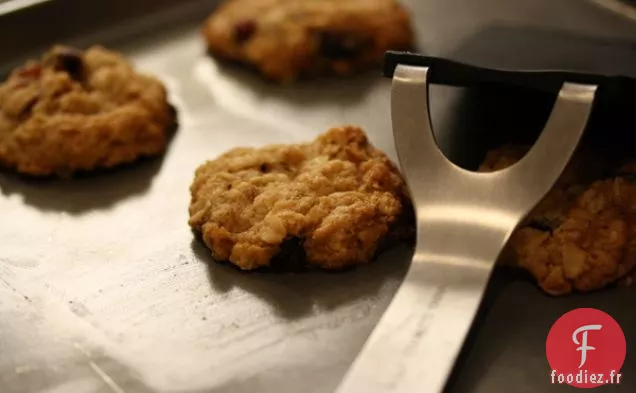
{"type": "Point", "coordinates": [450, 72]}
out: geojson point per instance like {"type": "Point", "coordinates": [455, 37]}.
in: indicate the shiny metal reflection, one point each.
{"type": "Point", "coordinates": [8, 6]}
{"type": "Point", "coordinates": [624, 8]}
{"type": "Point", "coordinates": [463, 222]}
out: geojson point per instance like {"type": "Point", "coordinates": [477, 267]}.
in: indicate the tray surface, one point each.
{"type": "Point", "coordinates": [104, 289]}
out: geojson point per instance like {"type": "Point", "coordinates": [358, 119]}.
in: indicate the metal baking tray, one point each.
{"type": "Point", "coordinates": [103, 287]}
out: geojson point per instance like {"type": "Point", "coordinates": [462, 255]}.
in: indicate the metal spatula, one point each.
{"type": "Point", "coordinates": [464, 219]}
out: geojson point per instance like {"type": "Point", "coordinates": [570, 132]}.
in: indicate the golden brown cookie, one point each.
{"type": "Point", "coordinates": [331, 203]}
{"type": "Point", "coordinates": [286, 39]}
{"type": "Point", "coordinates": [75, 111]}
{"type": "Point", "coordinates": [586, 238]}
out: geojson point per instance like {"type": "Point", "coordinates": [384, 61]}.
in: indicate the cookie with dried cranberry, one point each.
{"type": "Point", "coordinates": [582, 236]}
{"type": "Point", "coordinates": [76, 111]}
{"type": "Point", "coordinates": [593, 247]}
{"type": "Point", "coordinates": [288, 39]}
{"type": "Point", "coordinates": [332, 203]}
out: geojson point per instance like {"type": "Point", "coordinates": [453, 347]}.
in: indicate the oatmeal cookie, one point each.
{"type": "Point", "coordinates": [75, 111]}
{"type": "Point", "coordinates": [287, 39]}
{"type": "Point", "coordinates": [587, 236]}
{"type": "Point", "coordinates": [331, 203]}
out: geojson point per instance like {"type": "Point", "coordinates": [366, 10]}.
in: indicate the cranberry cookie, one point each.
{"type": "Point", "coordinates": [331, 203]}
{"type": "Point", "coordinates": [287, 39]}
{"type": "Point", "coordinates": [582, 236]}
{"type": "Point", "coordinates": [75, 111]}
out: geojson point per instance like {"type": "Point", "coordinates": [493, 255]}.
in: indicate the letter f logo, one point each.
{"type": "Point", "coordinates": [583, 344]}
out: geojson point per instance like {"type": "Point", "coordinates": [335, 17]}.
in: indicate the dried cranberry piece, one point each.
{"type": "Point", "coordinates": [68, 60]}
{"type": "Point", "coordinates": [28, 107]}
{"type": "Point", "coordinates": [339, 45]}
{"type": "Point", "coordinates": [32, 71]}
{"type": "Point", "coordinates": [291, 256]}
{"type": "Point", "coordinates": [244, 30]}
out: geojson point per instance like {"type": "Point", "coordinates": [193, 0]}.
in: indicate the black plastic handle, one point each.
{"type": "Point", "coordinates": [450, 72]}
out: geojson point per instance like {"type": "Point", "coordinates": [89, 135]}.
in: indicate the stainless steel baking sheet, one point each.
{"type": "Point", "coordinates": [103, 287]}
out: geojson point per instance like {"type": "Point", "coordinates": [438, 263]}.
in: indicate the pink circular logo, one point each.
{"type": "Point", "coordinates": [586, 348]}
